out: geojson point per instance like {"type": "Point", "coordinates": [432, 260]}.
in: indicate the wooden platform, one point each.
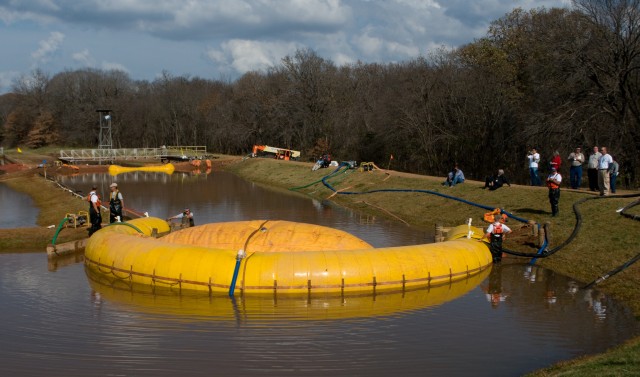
{"type": "Point", "coordinates": [66, 248]}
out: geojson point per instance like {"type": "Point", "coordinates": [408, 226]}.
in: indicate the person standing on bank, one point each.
{"type": "Point", "coordinates": [95, 217]}
{"type": "Point", "coordinates": [116, 204]}
{"type": "Point", "coordinates": [576, 159]}
{"type": "Point", "coordinates": [604, 163]}
{"type": "Point", "coordinates": [614, 170]}
{"type": "Point", "coordinates": [495, 233]}
{"type": "Point", "coordinates": [553, 183]}
{"type": "Point", "coordinates": [534, 159]}
{"type": "Point", "coordinates": [556, 160]}
{"type": "Point", "coordinates": [592, 169]}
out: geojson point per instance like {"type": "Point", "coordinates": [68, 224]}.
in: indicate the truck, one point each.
{"type": "Point", "coordinates": [279, 153]}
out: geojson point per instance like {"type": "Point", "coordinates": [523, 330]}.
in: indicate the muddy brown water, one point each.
{"type": "Point", "coordinates": [17, 210]}
{"type": "Point", "coordinates": [59, 321]}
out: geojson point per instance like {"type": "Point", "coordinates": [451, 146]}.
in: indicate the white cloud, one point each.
{"type": "Point", "coordinates": [84, 58]}
{"type": "Point", "coordinates": [367, 44]}
{"type": "Point", "coordinates": [244, 55]}
{"type": "Point", "coordinates": [48, 47]}
{"type": "Point", "coordinates": [109, 66]}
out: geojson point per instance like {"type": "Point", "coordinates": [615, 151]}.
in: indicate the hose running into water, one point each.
{"type": "Point", "coordinates": [543, 251]}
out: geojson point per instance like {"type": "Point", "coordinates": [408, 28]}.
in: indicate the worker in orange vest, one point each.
{"type": "Point", "coordinates": [495, 234]}
{"type": "Point", "coordinates": [553, 183]}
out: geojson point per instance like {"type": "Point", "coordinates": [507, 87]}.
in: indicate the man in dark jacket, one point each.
{"type": "Point", "coordinates": [497, 181]}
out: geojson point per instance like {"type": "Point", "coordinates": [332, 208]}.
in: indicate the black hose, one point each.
{"type": "Point", "coordinates": [624, 213]}
{"type": "Point", "coordinates": [543, 252]}
{"type": "Point", "coordinates": [613, 272]}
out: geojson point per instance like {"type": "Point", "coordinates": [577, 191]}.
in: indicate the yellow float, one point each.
{"type": "Point", "coordinates": [278, 257]}
{"type": "Point", "coordinates": [166, 168]}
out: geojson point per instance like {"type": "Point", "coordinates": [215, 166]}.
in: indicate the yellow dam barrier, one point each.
{"type": "Point", "coordinates": [278, 256]}
{"type": "Point", "coordinates": [166, 168]}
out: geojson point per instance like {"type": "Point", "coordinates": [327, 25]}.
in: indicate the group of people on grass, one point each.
{"type": "Point", "coordinates": [602, 169]}
{"type": "Point", "coordinates": [602, 173]}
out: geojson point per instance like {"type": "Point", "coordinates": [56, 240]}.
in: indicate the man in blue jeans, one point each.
{"type": "Point", "coordinates": [534, 159]}
{"type": "Point", "coordinates": [576, 159]}
{"type": "Point", "coordinates": [454, 177]}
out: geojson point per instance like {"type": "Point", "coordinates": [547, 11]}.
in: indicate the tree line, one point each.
{"type": "Point", "coordinates": [553, 79]}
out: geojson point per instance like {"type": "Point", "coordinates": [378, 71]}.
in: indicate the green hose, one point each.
{"type": "Point", "coordinates": [127, 224]}
{"type": "Point", "coordinates": [55, 236]}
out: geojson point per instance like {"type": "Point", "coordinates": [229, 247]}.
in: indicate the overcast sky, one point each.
{"type": "Point", "coordinates": [222, 39]}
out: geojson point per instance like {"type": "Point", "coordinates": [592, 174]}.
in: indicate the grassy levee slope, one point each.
{"type": "Point", "coordinates": [53, 203]}
{"type": "Point", "coordinates": [605, 240]}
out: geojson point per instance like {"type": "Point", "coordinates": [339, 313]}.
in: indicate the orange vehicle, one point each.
{"type": "Point", "coordinates": [279, 153]}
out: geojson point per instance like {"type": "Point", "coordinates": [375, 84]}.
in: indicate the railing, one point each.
{"type": "Point", "coordinates": [171, 152]}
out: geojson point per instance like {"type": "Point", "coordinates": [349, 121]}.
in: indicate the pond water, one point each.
{"type": "Point", "coordinates": [17, 210]}
{"type": "Point", "coordinates": [60, 321]}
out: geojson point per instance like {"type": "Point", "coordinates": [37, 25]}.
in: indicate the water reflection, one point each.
{"type": "Point", "coordinates": [195, 304]}
{"type": "Point", "coordinates": [493, 287]}
{"type": "Point", "coordinates": [120, 329]}
{"type": "Point", "coordinates": [596, 302]}
{"type": "Point", "coordinates": [223, 196]}
{"type": "Point", "coordinates": [18, 209]}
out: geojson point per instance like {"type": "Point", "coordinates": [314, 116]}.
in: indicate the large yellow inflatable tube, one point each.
{"type": "Point", "coordinates": [166, 168]}
{"type": "Point", "coordinates": [278, 256]}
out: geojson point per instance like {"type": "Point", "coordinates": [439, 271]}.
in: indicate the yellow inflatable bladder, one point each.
{"type": "Point", "coordinates": [166, 168]}
{"type": "Point", "coordinates": [278, 257]}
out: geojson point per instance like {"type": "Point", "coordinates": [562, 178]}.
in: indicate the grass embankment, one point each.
{"type": "Point", "coordinates": [53, 202]}
{"type": "Point", "coordinates": [605, 241]}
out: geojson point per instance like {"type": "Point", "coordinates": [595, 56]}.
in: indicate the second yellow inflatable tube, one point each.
{"type": "Point", "coordinates": [166, 168]}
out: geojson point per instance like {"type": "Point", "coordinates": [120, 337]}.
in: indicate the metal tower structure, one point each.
{"type": "Point", "coordinates": [105, 141]}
